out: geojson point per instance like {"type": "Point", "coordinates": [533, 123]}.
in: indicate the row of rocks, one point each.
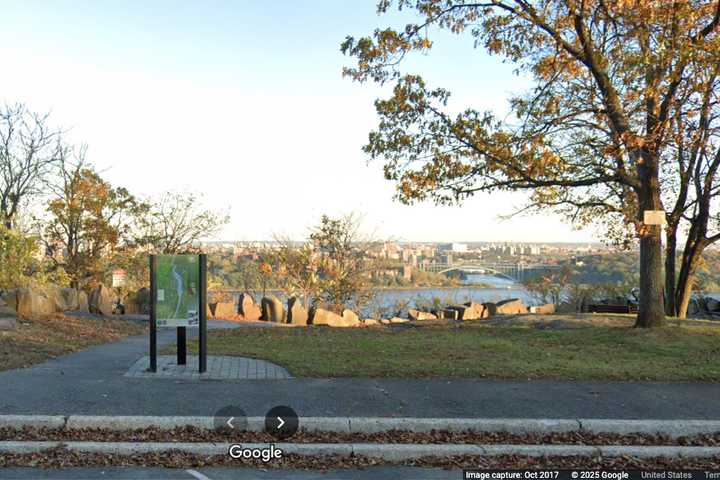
{"type": "Point", "coordinates": [271, 309]}
{"type": "Point", "coordinates": [33, 302]}
{"type": "Point", "coordinates": [478, 311]}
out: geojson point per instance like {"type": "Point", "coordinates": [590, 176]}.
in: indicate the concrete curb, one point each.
{"type": "Point", "coordinates": [391, 452]}
{"type": "Point", "coordinates": [672, 428]}
{"type": "Point", "coordinates": [512, 425]}
{"type": "Point", "coordinates": [76, 422]}
{"type": "Point", "coordinates": [36, 421]}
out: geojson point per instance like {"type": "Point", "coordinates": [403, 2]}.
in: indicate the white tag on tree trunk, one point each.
{"type": "Point", "coordinates": [654, 217]}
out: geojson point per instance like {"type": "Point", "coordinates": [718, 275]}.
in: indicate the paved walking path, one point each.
{"type": "Point", "coordinates": [93, 382]}
{"type": "Point", "coordinates": [218, 368]}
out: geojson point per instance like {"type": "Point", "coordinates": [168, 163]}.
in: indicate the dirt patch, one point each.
{"type": "Point", "coordinates": [39, 339]}
{"type": "Point", "coordinates": [193, 434]}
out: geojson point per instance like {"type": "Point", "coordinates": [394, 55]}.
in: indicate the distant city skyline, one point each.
{"type": "Point", "coordinates": [246, 103]}
{"type": "Point", "coordinates": [403, 242]}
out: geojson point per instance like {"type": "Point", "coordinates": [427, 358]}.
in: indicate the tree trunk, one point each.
{"type": "Point", "coordinates": [691, 257]}
{"type": "Point", "coordinates": [684, 294]}
{"type": "Point", "coordinates": [670, 247]}
{"type": "Point", "coordinates": [651, 311]}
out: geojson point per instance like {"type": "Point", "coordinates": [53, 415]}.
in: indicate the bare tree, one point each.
{"type": "Point", "coordinates": [344, 263]}
{"type": "Point", "coordinates": [298, 268]}
{"type": "Point", "coordinates": [177, 222]}
{"type": "Point", "coordinates": [29, 148]}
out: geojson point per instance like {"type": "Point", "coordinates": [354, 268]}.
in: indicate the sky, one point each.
{"type": "Point", "coordinates": [244, 102]}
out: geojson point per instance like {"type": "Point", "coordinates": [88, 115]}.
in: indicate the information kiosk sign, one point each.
{"type": "Point", "coordinates": [178, 299]}
{"type": "Point", "coordinates": [178, 291]}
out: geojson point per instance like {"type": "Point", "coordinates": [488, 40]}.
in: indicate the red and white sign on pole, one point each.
{"type": "Point", "coordinates": [118, 277]}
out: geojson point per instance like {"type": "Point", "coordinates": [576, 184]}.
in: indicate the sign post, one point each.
{"type": "Point", "coordinates": [178, 298]}
{"type": "Point", "coordinates": [181, 346]}
{"type": "Point", "coordinates": [202, 337]}
{"type": "Point", "coordinates": [153, 314]}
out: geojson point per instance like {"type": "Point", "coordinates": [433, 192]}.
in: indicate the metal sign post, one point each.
{"type": "Point", "coordinates": [153, 314]}
{"type": "Point", "coordinates": [181, 346]}
{"type": "Point", "coordinates": [202, 337]}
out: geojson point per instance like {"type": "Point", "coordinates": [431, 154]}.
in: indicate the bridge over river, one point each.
{"type": "Point", "coordinates": [516, 272]}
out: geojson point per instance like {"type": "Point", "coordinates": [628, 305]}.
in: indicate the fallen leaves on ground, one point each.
{"type": "Point", "coordinates": [194, 434]}
{"type": "Point", "coordinates": [62, 458]}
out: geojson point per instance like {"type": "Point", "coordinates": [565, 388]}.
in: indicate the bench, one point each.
{"type": "Point", "coordinates": [602, 308]}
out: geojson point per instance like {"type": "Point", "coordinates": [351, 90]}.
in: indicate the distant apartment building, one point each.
{"type": "Point", "coordinates": [454, 247]}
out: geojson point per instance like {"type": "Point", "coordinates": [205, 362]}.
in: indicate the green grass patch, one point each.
{"type": "Point", "coordinates": [476, 350]}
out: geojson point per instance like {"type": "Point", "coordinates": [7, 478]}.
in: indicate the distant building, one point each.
{"type": "Point", "coordinates": [459, 247]}
{"type": "Point", "coordinates": [407, 272]}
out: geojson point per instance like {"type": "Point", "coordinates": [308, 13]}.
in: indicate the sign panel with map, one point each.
{"type": "Point", "coordinates": [178, 291]}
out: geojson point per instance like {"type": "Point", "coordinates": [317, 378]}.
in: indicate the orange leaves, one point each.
{"type": "Point", "coordinates": [559, 62]}
{"type": "Point", "coordinates": [632, 141]}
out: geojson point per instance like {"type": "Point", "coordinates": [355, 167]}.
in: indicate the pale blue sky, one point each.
{"type": "Point", "coordinates": [244, 101]}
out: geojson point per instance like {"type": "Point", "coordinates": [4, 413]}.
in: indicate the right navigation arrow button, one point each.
{"type": "Point", "coordinates": [281, 422]}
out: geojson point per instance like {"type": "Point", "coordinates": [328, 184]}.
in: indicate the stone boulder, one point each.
{"type": "Point", "coordinates": [131, 306]}
{"type": "Point", "coordinates": [102, 301]}
{"type": "Point", "coordinates": [83, 302]}
{"type": "Point", "coordinates": [143, 301]}
{"type": "Point", "coordinates": [10, 297]}
{"type": "Point", "coordinates": [225, 310]}
{"type": "Point", "coordinates": [547, 309]}
{"type": "Point", "coordinates": [248, 308]}
{"type": "Point", "coordinates": [272, 310]}
{"type": "Point", "coordinates": [712, 305]}
{"type": "Point", "coordinates": [31, 303]}
{"type": "Point", "coordinates": [67, 299]}
{"type": "Point", "coordinates": [420, 315]}
{"type": "Point", "coordinates": [398, 320]}
{"type": "Point", "coordinates": [510, 306]}
{"type": "Point", "coordinates": [296, 312]}
{"type": "Point", "coordinates": [350, 317]}
{"type": "Point", "coordinates": [320, 316]}
{"type": "Point", "coordinates": [471, 311]}
{"type": "Point", "coordinates": [446, 314]}
{"type": "Point", "coordinates": [8, 316]}
{"type": "Point", "coordinates": [368, 322]}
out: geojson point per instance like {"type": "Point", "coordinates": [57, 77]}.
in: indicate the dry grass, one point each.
{"type": "Point", "coordinates": [40, 339]}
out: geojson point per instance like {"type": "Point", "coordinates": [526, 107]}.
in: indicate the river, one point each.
{"type": "Point", "coordinates": [391, 301]}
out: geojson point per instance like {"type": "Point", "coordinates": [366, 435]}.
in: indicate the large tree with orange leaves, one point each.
{"type": "Point", "coordinates": [89, 220]}
{"type": "Point", "coordinates": [590, 136]}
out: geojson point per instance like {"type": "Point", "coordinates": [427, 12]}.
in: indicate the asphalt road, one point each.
{"type": "Point", "coordinates": [91, 382]}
